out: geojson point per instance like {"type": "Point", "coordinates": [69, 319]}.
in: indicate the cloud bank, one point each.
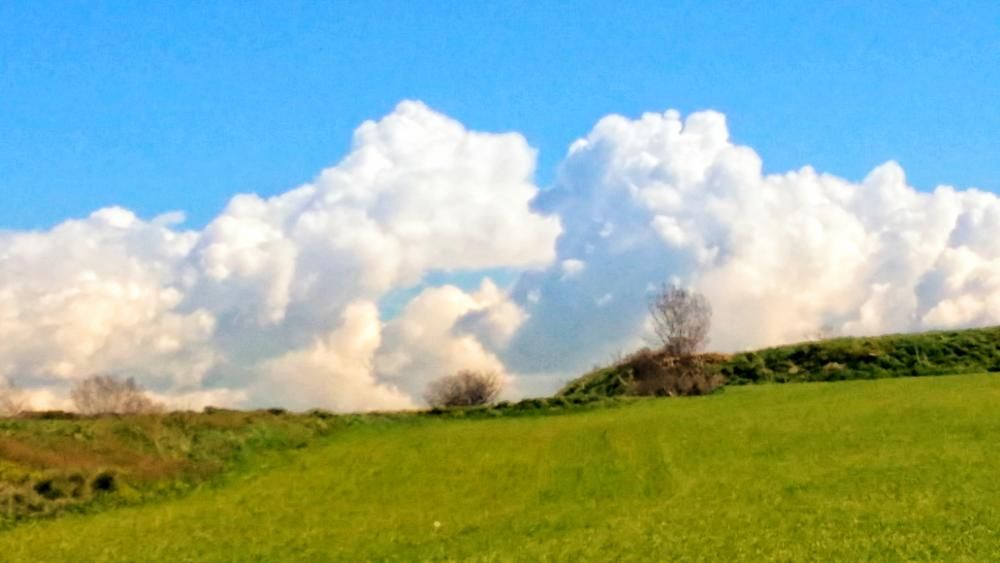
{"type": "Point", "coordinates": [276, 301]}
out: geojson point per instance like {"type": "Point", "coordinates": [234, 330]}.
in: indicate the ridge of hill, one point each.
{"type": "Point", "coordinates": [54, 462]}
{"type": "Point", "coordinates": [837, 359]}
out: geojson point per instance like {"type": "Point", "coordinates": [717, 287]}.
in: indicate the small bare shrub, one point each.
{"type": "Point", "coordinates": [465, 389]}
{"type": "Point", "coordinates": [107, 394]}
{"type": "Point", "coordinates": [681, 320]}
{"type": "Point", "coordinates": [12, 400]}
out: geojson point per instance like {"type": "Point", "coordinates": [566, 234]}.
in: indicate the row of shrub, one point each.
{"type": "Point", "coordinates": [48, 493]}
{"type": "Point", "coordinates": [900, 355]}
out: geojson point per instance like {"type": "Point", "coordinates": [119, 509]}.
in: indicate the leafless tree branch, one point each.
{"type": "Point", "coordinates": [105, 394]}
{"type": "Point", "coordinates": [681, 320]}
{"type": "Point", "coordinates": [12, 400]}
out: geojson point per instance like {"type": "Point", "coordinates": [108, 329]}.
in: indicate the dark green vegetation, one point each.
{"type": "Point", "coordinates": [863, 470]}
{"type": "Point", "coordinates": [839, 359]}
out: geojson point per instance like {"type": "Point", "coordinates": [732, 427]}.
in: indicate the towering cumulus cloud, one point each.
{"type": "Point", "coordinates": [781, 257]}
{"type": "Point", "coordinates": [276, 301]}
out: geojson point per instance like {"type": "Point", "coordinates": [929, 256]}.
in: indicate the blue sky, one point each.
{"type": "Point", "coordinates": [178, 105]}
{"type": "Point", "coordinates": [428, 251]}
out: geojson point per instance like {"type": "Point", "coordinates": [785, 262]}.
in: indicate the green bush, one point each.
{"type": "Point", "coordinates": [900, 355]}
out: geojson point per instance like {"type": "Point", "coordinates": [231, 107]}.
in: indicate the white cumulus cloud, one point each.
{"type": "Point", "coordinates": [444, 330]}
{"type": "Point", "coordinates": [780, 256]}
{"type": "Point", "coordinates": [275, 300]}
{"type": "Point", "coordinates": [99, 294]}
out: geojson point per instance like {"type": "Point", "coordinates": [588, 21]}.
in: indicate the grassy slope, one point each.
{"type": "Point", "coordinates": [51, 463]}
{"type": "Point", "coordinates": [866, 470]}
{"type": "Point", "coordinates": [838, 359]}
{"type": "Point", "coordinates": [48, 466]}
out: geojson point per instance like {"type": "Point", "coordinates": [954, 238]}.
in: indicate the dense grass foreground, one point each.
{"type": "Point", "coordinates": [867, 470]}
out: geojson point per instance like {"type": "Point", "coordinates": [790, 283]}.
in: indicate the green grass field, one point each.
{"type": "Point", "coordinates": [883, 470]}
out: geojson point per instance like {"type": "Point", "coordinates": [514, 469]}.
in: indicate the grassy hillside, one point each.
{"type": "Point", "coordinates": [839, 359]}
{"type": "Point", "coordinates": [864, 470]}
{"type": "Point", "coordinates": [56, 462]}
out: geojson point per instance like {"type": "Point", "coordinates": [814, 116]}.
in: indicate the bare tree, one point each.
{"type": "Point", "coordinates": [465, 389]}
{"type": "Point", "coordinates": [105, 394]}
{"type": "Point", "coordinates": [12, 400]}
{"type": "Point", "coordinates": [681, 319]}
